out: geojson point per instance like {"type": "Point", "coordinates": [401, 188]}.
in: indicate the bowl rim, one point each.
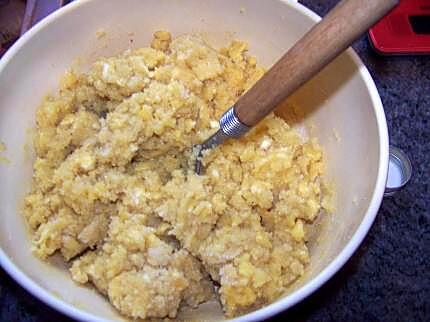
{"type": "Point", "coordinates": [286, 302]}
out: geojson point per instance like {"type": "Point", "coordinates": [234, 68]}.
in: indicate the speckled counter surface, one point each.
{"type": "Point", "coordinates": [388, 278]}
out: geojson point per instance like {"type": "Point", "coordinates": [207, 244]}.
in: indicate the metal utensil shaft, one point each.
{"type": "Point", "coordinates": [230, 127]}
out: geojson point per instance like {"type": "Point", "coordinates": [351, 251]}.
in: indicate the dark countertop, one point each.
{"type": "Point", "coordinates": [388, 278]}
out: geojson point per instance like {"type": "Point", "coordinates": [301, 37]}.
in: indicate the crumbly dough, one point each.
{"type": "Point", "coordinates": [115, 194]}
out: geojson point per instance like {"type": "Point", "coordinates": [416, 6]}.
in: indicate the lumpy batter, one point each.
{"type": "Point", "coordinates": [115, 194]}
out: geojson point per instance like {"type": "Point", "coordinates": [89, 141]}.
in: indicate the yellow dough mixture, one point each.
{"type": "Point", "coordinates": [115, 194]}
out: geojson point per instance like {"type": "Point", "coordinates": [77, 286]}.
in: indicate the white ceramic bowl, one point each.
{"type": "Point", "coordinates": [341, 102]}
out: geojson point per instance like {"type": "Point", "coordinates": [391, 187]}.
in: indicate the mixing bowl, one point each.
{"type": "Point", "coordinates": [341, 107]}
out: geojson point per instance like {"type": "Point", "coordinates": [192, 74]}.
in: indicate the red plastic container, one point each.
{"type": "Point", "coordinates": [406, 30]}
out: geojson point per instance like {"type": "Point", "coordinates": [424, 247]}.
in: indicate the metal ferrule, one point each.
{"type": "Point", "coordinates": [231, 125]}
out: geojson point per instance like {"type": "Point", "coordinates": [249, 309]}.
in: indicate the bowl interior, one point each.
{"type": "Point", "coordinates": [336, 107]}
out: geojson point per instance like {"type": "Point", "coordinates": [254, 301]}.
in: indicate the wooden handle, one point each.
{"type": "Point", "coordinates": [324, 42]}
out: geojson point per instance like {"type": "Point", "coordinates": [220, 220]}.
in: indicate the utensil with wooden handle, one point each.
{"type": "Point", "coordinates": [317, 48]}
